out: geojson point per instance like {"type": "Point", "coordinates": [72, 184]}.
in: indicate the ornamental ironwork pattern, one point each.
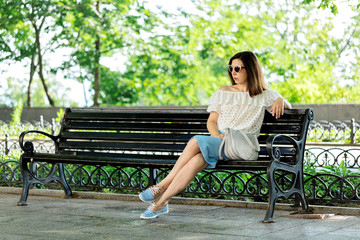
{"type": "Point", "coordinates": [10, 146]}
{"type": "Point", "coordinates": [335, 156]}
{"type": "Point", "coordinates": [348, 131]}
{"type": "Point", "coordinates": [225, 184]}
{"type": "Point", "coordinates": [326, 187]}
{"type": "Point", "coordinates": [10, 174]}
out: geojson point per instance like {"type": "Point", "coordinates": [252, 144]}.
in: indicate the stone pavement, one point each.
{"type": "Point", "coordinates": [53, 217]}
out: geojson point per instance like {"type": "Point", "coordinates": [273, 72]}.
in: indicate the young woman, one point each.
{"type": "Point", "coordinates": [238, 106]}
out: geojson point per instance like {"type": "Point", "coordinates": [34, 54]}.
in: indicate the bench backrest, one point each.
{"type": "Point", "coordinates": [159, 132]}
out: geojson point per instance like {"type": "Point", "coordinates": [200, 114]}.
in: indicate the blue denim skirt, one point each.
{"type": "Point", "coordinates": [209, 147]}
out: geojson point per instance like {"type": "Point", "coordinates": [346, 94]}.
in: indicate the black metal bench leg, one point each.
{"type": "Point", "coordinates": [25, 174]}
{"type": "Point", "coordinates": [29, 178]}
{"type": "Point", "coordinates": [298, 201]}
{"type": "Point", "coordinates": [300, 190]}
{"type": "Point", "coordinates": [62, 180]}
{"type": "Point", "coordinates": [272, 197]}
{"type": "Point", "coordinates": [270, 210]}
{"type": "Point", "coordinates": [302, 197]}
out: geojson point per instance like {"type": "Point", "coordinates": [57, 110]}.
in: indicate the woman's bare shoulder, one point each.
{"type": "Point", "coordinates": [225, 88]}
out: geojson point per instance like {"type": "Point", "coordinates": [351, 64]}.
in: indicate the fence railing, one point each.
{"type": "Point", "coordinates": [347, 132]}
{"type": "Point", "coordinates": [320, 186]}
{"type": "Point", "coordinates": [331, 173]}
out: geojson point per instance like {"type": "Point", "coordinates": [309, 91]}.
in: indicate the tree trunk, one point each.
{"type": "Point", "coordinates": [41, 68]}
{"type": "Point", "coordinates": [97, 65]}
{"type": "Point", "coordinates": [32, 72]}
{"type": "Point", "coordinates": [37, 37]}
{"type": "Point", "coordinates": [97, 72]}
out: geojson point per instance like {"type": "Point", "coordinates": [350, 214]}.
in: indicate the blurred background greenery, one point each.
{"type": "Point", "coordinates": [131, 52]}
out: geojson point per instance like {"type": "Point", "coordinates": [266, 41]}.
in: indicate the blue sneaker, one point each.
{"type": "Point", "coordinates": [149, 212]}
{"type": "Point", "coordinates": [150, 194]}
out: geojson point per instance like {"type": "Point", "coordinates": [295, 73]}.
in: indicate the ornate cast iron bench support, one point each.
{"type": "Point", "coordinates": [27, 168]}
{"type": "Point", "coordinates": [295, 168]}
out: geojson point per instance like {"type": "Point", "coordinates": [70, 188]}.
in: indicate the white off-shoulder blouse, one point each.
{"type": "Point", "coordinates": [238, 110]}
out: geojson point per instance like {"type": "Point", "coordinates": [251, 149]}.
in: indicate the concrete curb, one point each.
{"type": "Point", "coordinates": [316, 209]}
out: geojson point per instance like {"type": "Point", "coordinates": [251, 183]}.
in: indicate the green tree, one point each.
{"type": "Point", "coordinates": [161, 68]}
{"type": "Point", "coordinates": [13, 93]}
{"type": "Point", "coordinates": [332, 4]}
{"type": "Point", "coordinates": [180, 59]}
{"type": "Point", "coordinates": [297, 50]}
{"type": "Point", "coordinates": [24, 26]}
{"type": "Point", "coordinates": [116, 89]}
{"type": "Point", "coordinates": [100, 29]}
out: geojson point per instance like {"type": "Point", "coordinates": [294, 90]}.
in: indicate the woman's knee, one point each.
{"type": "Point", "coordinates": [192, 141]}
{"type": "Point", "coordinates": [193, 144]}
{"type": "Point", "coordinates": [198, 161]}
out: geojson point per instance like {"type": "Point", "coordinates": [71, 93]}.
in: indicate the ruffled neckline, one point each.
{"type": "Point", "coordinates": [221, 97]}
{"type": "Point", "coordinates": [231, 91]}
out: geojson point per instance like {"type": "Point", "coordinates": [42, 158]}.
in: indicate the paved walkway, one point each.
{"type": "Point", "coordinates": [52, 217]}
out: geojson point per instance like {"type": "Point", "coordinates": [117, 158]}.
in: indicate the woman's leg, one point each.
{"type": "Point", "coordinates": [182, 179]}
{"type": "Point", "coordinates": [191, 150]}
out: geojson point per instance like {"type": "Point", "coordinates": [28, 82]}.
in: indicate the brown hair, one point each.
{"type": "Point", "coordinates": [255, 77]}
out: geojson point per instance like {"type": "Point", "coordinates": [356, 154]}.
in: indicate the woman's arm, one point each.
{"type": "Point", "coordinates": [278, 107]}
{"type": "Point", "coordinates": [212, 125]}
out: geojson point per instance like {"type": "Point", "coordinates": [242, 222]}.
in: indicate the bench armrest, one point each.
{"type": "Point", "coordinates": [275, 153]}
{"type": "Point", "coordinates": [28, 147]}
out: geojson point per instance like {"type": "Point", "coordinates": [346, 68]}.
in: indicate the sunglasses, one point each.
{"type": "Point", "coordinates": [236, 68]}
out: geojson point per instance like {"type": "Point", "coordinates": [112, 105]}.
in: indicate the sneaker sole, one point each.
{"type": "Point", "coordinates": [146, 218]}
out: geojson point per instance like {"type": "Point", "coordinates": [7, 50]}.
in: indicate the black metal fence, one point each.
{"type": "Point", "coordinates": [320, 186]}
{"type": "Point", "coordinates": [334, 131]}
{"type": "Point", "coordinates": [331, 173]}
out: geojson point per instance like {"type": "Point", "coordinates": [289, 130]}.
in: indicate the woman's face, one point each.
{"type": "Point", "coordinates": [241, 76]}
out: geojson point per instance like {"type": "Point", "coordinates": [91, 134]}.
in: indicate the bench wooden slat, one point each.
{"type": "Point", "coordinates": [153, 137]}
{"type": "Point", "coordinates": [94, 160]}
{"type": "Point", "coordinates": [290, 116]}
{"type": "Point", "coordinates": [136, 126]}
{"type": "Point", "coordinates": [123, 146]}
{"type": "Point", "coordinates": [284, 129]}
{"type": "Point", "coordinates": [140, 160]}
{"type": "Point", "coordinates": [262, 138]}
{"type": "Point", "coordinates": [78, 147]}
{"type": "Point", "coordinates": [149, 136]}
{"type": "Point", "coordinates": [115, 156]}
{"type": "Point", "coordinates": [151, 126]}
{"type": "Point", "coordinates": [122, 116]}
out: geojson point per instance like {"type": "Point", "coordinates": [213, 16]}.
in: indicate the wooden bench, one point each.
{"type": "Point", "coordinates": [154, 138]}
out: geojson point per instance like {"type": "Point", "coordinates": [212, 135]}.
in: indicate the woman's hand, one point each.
{"type": "Point", "coordinates": [277, 108]}
{"type": "Point", "coordinates": [220, 135]}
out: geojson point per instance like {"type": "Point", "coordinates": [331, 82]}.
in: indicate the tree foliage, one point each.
{"type": "Point", "coordinates": [332, 4]}
{"type": "Point", "coordinates": [181, 58]}
{"type": "Point", "coordinates": [299, 53]}
{"type": "Point", "coordinates": [28, 31]}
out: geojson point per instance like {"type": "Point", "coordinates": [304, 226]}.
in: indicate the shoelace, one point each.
{"type": "Point", "coordinates": [155, 190]}
{"type": "Point", "coordinates": [153, 206]}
